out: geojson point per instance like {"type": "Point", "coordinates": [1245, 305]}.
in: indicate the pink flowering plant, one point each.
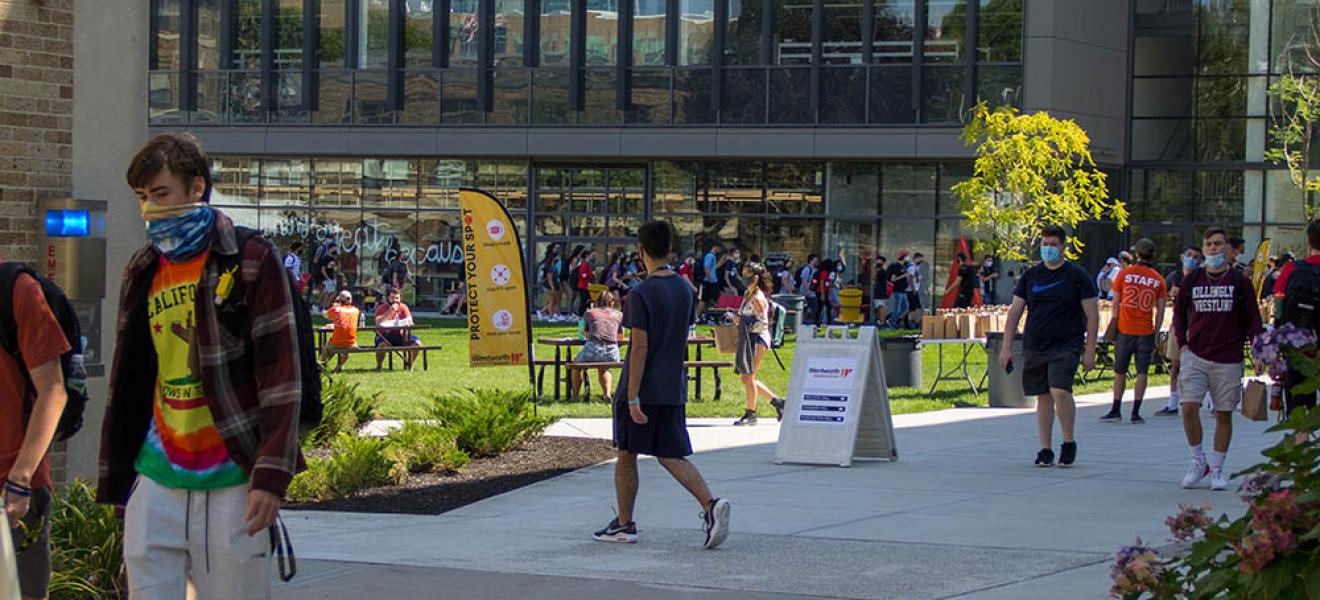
{"type": "Point", "coordinates": [1271, 551]}
{"type": "Point", "coordinates": [1282, 345]}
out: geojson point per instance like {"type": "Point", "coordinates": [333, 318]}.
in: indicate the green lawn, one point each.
{"type": "Point", "coordinates": [405, 392]}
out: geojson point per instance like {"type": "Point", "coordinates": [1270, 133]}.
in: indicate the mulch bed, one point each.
{"type": "Point", "coordinates": [435, 493]}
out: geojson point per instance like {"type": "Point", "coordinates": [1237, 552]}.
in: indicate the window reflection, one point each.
{"type": "Point", "coordinates": [246, 41]}
{"type": "Point", "coordinates": [695, 31]}
{"type": "Point", "coordinates": [792, 41]}
{"type": "Point", "coordinates": [736, 187]}
{"type": "Point", "coordinates": [999, 31]}
{"type": "Point", "coordinates": [208, 35]}
{"type": "Point", "coordinates": [508, 43]}
{"type": "Point", "coordinates": [330, 51]}
{"type": "Point", "coordinates": [843, 32]}
{"type": "Point", "coordinates": [946, 25]}
{"type": "Point", "coordinates": [389, 183]}
{"type": "Point", "coordinates": [742, 38]}
{"type": "Point", "coordinates": [649, 22]}
{"type": "Point", "coordinates": [894, 30]}
{"type": "Point", "coordinates": [556, 23]}
{"type": "Point", "coordinates": [285, 182]}
{"type": "Point", "coordinates": [373, 42]}
{"type": "Point", "coordinates": [417, 42]}
{"type": "Point", "coordinates": [462, 33]}
{"type": "Point", "coordinates": [908, 189]}
{"type": "Point", "coordinates": [602, 32]}
{"type": "Point", "coordinates": [796, 187]}
{"type": "Point", "coordinates": [167, 35]}
{"type": "Point", "coordinates": [336, 182]}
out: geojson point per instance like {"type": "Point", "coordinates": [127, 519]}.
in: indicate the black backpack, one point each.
{"type": "Point", "coordinates": [311, 407]}
{"type": "Point", "coordinates": [1301, 299]}
{"type": "Point", "coordinates": [71, 362]}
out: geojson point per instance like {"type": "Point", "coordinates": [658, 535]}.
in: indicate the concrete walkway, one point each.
{"type": "Point", "coordinates": [962, 513]}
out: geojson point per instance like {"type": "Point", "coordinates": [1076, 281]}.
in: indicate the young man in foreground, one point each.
{"type": "Point", "coordinates": [1060, 332]}
{"type": "Point", "coordinates": [649, 413]}
{"type": "Point", "coordinates": [200, 438]}
{"type": "Point", "coordinates": [1214, 314]}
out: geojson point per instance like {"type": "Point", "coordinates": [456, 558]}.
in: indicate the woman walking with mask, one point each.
{"type": "Point", "coordinates": [753, 320]}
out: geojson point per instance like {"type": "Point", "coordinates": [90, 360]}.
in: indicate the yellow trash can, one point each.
{"type": "Point", "coordinates": [850, 305]}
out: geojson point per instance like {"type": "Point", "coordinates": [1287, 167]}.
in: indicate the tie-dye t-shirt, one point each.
{"type": "Point", "coordinates": [182, 449]}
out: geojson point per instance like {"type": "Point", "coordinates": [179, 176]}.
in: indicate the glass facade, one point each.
{"type": "Point", "coordinates": [686, 62]}
{"type": "Point", "coordinates": [1200, 117]}
{"type": "Point", "coordinates": [373, 207]}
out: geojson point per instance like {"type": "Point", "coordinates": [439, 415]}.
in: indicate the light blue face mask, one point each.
{"type": "Point", "coordinates": [1051, 254]}
{"type": "Point", "coordinates": [1189, 263]}
{"type": "Point", "coordinates": [1214, 261]}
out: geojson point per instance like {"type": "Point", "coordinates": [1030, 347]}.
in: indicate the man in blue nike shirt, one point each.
{"type": "Point", "coordinates": [1061, 330]}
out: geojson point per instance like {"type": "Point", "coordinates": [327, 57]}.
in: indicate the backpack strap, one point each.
{"type": "Point", "coordinates": [9, 272]}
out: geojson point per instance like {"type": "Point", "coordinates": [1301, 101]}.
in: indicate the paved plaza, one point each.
{"type": "Point", "coordinates": [961, 514]}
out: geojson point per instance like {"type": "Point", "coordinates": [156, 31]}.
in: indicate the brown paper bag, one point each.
{"type": "Point", "coordinates": [928, 328]}
{"type": "Point", "coordinates": [939, 328]}
{"type": "Point", "coordinates": [965, 327]}
{"type": "Point", "coordinates": [726, 339]}
{"type": "Point", "coordinates": [1255, 405]}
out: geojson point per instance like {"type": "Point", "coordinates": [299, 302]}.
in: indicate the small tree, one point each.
{"type": "Point", "coordinates": [1031, 170]}
{"type": "Point", "coordinates": [1294, 109]}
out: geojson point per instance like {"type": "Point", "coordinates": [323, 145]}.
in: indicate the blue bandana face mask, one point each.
{"type": "Point", "coordinates": [181, 236]}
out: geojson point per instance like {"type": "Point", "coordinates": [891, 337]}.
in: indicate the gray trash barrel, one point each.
{"type": "Point", "coordinates": [1005, 389]}
{"type": "Point", "coordinates": [796, 304]}
{"type": "Point", "coordinates": [901, 358]}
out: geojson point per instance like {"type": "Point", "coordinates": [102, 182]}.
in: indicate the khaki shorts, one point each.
{"type": "Point", "coordinates": [1222, 380]}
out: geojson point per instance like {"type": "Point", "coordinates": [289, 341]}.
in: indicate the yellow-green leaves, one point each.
{"type": "Point", "coordinates": [1031, 170]}
{"type": "Point", "coordinates": [1295, 109]}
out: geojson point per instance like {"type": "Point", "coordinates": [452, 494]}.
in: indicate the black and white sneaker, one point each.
{"type": "Point", "coordinates": [1067, 454]}
{"type": "Point", "coordinates": [715, 522]}
{"type": "Point", "coordinates": [1166, 412]}
{"type": "Point", "coordinates": [1045, 458]}
{"type": "Point", "coordinates": [778, 404]}
{"type": "Point", "coordinates": [620, 534]}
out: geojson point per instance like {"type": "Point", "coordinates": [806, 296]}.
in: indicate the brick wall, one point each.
{"type": "Point", "coordinates": [36, 116]}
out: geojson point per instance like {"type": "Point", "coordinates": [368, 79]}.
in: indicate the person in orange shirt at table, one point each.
{"type": "Point", "coordinates": [394, 313]}
{"type": "Point", "coordinates": [1139, 293]}
{"type": "Point", "coordinates": [344, 316]}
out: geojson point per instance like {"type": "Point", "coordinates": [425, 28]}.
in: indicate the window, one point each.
{"type": "Point", "coordinates": [792, 33]}
{"type": "Point", "coordinates": [742, 38]}
{"type": "Point", "coordinates": [676, 186]}
{"type": "Point", "coordinates": [556, 24]}
{"type": "Point", "coordinates": [168, 23]}
{"type": "Point", "coordinates": [843, 32]}
{"type": "Point", "coordinates": [602, 32]}
{"type": "Point", "coordinates": [649, 22]}
{"type": "Point", "coordinates": [246, 42]}
{"type": "Point", "coordinates": [854, 189]}
{"type": "Point", "coordinates": [288, 35]}
{"type": "Point", "coordinates": [908, 190]}
{"type": "Point", "coordinates": [946, 26]}
{"type": "Point", "coordinates": [417, 32]}
{"type": "Point", "coordinates": [1223, 32]}
{"type": "Point", "coordinates": [508, 43]}
{"type": "Point", "coordinates": [463, 33]}
{"type": "Point", "coordinates": [999, 32]}
{"type": "Point", "coordinates": [330, 51]}
{"type": "Point", "coordinates": [894, 30]}
{"type": "Point", "coordinates": [373, 43]}
{"type": "Point", "coordinates": [1293, 36]}
{"type": "Point", "coordinates": [696, 33]}
{"type": "Point", "coordinates": [208, 35]}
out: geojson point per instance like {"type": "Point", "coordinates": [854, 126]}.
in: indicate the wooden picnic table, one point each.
{"type": "Point", "coordinates": [564, 354]}
{"type": "Point", "coordinates": [323, 332]}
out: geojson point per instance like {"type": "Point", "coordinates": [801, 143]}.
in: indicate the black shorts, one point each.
{"type": "Point", "coordinates": [710, 293]}
{"type": "Point", "coordinates": [1049, 369]}
{"type": "Point", "coordinates": [1291, 400]}
{"type": "Point", "coordinates": [914, 301]}
{"type": "Point", "coordinates": [32, 544]}
{"type": "Point", "coordinates": [1128, 347]}
{"type": "Point", "coordinates": [664, 435]}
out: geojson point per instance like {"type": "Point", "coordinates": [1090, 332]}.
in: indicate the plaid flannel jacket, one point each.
{"type": "Point", "coordinates": [247, 347]}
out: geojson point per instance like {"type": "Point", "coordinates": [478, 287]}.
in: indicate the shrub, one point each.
{"type": "Point", "coordinates": [347, 409]}
{"type": "Point", "coordinates": [87, 546]}
{"type": "Point", "coordinates": [486, 422]}
{"type": "Point", "coordinates": [354, 464]}
{"type": "Point", "coordinates": [424, 448]}
{"type": "Point", "coordinates": [1272, 551]}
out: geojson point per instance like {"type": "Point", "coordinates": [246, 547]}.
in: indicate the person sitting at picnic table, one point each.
{"type": "Point", "coordinates": [602, 324]}
{"type": "Point", "coordinates": [344, 316]}
{"type": "Point", "coordinates": [394, 314]}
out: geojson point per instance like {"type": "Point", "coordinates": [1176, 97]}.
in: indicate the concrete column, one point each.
{"type": "Point", "coordinates": [109, 124]}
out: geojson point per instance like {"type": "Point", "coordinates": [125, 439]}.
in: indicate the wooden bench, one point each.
{"type": "Point", "coordinates": [389, 350]}
{"type": "Point", "coordinates": [713, 365]}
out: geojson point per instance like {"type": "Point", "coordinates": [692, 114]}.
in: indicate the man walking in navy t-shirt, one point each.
{"type": "Point", "coordinates": [649, 410]}
{"type": "Point", "coordinates": [1060, 332]}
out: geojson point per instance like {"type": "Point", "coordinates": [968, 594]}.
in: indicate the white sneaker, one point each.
{"type": "Point", "coordinates": [1217, 480]}
{"type": "Point", "coordinates": [715, 523]}
{"type": "Point", "coordinates": [1195, 473]}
